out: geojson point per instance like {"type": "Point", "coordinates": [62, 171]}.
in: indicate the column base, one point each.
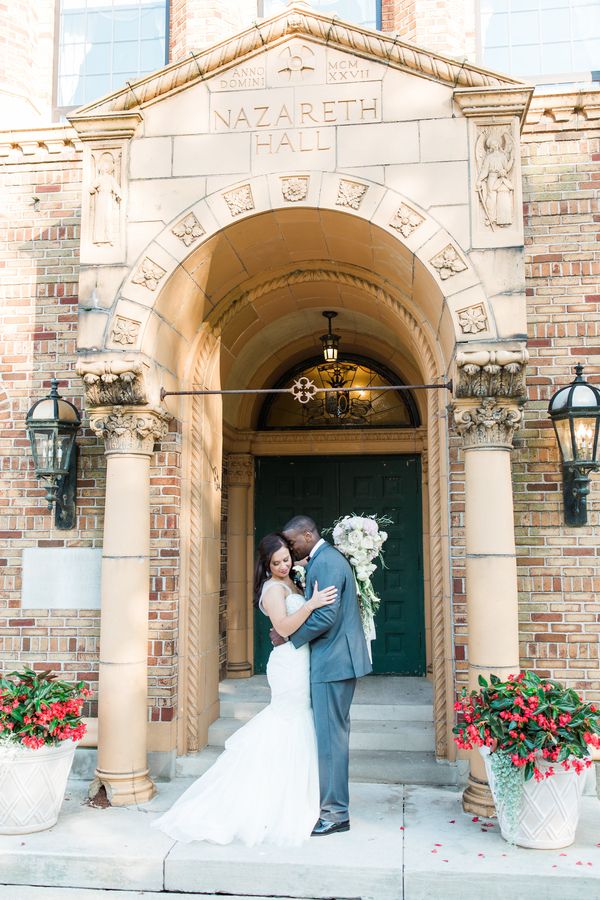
{"type": "Point", "coordinates": [239, 670]}
{"type": "Point", "coordinates": [477, 798]}
{"type": "Point", "coordinates": [130, 788]}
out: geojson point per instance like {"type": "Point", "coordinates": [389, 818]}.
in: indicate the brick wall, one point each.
{"type": "Point", "coordinates": [39, 265]}
{"type": "Point", "coordinates": [26, 58]}
{"type": "Point", "coordinates": [444, 26]}
{"type": "Point", "coordinates": [558, 567]}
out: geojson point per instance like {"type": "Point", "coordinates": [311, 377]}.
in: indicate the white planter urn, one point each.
{"type": "Point", "coordinates": [32, 786]}
{"type": "Point", "coordinates": [549, 809]}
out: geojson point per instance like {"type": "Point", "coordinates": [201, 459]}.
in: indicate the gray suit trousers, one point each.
{"type": "Point", "coordinates": [331, 710]}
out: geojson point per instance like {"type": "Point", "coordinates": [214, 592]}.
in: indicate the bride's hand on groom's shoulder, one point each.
{"type": "Point", "coordinates": [324, 597]}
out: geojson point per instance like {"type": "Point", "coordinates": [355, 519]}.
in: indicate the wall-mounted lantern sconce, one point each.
{"type": "Point", "coordinates": [330, 340]}
{"type": "Point", "coordinates": [52, 425]}
{"type": "Point", "coordinates": [575, 414]}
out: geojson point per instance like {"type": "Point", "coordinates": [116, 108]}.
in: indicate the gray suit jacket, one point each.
{"type": "Point", "coordinates": [337, 641]}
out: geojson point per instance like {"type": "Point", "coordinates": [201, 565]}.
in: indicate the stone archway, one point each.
{"type": "Point", "coordinates": [164, 270]}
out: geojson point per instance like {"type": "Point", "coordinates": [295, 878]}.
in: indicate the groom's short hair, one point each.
{"type": "Point", "coordinates": [301, 523]}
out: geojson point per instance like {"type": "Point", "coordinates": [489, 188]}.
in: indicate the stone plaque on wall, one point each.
{"type": "Point", "coordinates": [61, 578]}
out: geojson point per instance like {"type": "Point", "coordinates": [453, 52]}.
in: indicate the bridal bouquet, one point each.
{"type": "Point", "coordinates": [361, 539]}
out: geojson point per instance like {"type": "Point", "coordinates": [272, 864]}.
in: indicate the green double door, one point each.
{"type": "Point", "coordinates": [325, 488]}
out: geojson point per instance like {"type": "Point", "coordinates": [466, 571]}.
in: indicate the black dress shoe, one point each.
{"type": "Point", "coordinates": [323, 827]}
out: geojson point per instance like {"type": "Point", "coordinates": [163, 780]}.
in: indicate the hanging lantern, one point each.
{"type": "Point", "coordinates": [575, 414]}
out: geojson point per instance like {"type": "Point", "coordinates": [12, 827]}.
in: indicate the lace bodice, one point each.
{"type": "Point", "coordinates": [293, 601]}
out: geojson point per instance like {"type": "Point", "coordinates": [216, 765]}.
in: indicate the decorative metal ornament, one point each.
{"type": "Point", "coordinates": [575, 414]}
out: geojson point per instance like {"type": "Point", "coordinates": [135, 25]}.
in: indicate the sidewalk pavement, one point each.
{"type": "Point", "coordinates": [406, 843]}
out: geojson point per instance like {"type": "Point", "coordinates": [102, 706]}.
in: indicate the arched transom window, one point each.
{"type": "Point", "coordinates": [363, 407]}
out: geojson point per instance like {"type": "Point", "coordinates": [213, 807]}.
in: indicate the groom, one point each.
{"type": "Point", "coordinates": [338, 657]}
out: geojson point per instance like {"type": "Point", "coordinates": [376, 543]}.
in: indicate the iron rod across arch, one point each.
{"type": "Point", "coordinates": [445, 385]}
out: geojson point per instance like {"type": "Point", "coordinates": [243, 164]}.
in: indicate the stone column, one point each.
{"type": "Point", "coordinates": [129, 434]}
{"type": "Point", "coordinates": [486, 426]}
{"type": "Point", "coordinates": [239, 480]}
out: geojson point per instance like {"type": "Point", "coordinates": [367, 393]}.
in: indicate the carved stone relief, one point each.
{"type": "Point", "coordinates": [491, 373]}
{"type": "Point", "coordinates": [113, 381]}
{"type": "Point", "coordinates": [472, 319]}
{"type": "Point", "coordinates": [448, 262]}
{"type": "Point", "coordinates": [105, 197]}
{"type": "Point", "coordinates": [239, 200]}
{"type": "Point", "coordinates": [188, 230]}
{"type": "Point", "coordinates": [295, 189]}
{"type": "Point", "coordinates": [127, 430]}
{"type": "Point", "coordinates": [406, 220]}
{"type": "Point", "coordinates": [125, 331]}
{"type": "Point", "coordinates": [495, 158]}
{"type": "Point", "coordinates": [350, 193]}
{"type": "Point", "coordinates": [486, 423]}
{"type": "Point", "coordinates": [148, 274]}
{"type": "Point", "coordinates": [495, 192]}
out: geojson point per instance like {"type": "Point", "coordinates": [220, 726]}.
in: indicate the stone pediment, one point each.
{"type": "Point", "coordinates": [293, 25]}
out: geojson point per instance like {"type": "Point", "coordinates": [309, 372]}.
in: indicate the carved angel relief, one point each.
{"type": "Point", "coordinates": [495, 155]}
{"type": "Point", "coordinates": [105, 198]}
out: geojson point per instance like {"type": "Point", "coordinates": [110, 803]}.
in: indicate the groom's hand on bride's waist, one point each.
{"type": "Point", "coordinates": [276, 638]}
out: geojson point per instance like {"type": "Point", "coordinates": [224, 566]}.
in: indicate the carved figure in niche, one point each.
{"type": "Point", "coordinates": [495, 154]}
{"type": "Point", "coordinates": [106, 197]}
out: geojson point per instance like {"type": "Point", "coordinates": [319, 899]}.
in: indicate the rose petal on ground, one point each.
{"type": "Point", "coordinates": [453, 822]}
{"type": "Point", "coordinates": [475, 819]}
{"type": "Point", "coordinates": [481, 854]}
{"type": "Point", "coordinates": [438, 845]}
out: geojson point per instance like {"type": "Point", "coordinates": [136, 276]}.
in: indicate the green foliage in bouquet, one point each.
{"type": "Point", "coordinates": [38, 709]}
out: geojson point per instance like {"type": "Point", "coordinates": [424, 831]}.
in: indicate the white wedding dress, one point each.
{"type": "Point", "coordinates": [265, 786]}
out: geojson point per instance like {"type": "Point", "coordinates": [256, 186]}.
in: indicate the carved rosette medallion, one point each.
{"type": "Point", "coordinates": [295, 189]}
{"type": "Point", "coordinates": [115, 380]}
{"type": "Point", "coordinates": [149, 274]}
{"type": "Point", "coordinates": [126, 430]}
{"type": "Point", "coordinates": [472, 319]}
{"type": "Point", "coordinates": [125, 331]}
{"type": "Point", "coordinates": [188, 230]}
{"type": "Point", "coordinates": [489, 423]}
{"type": "Point", "coordinates": [240, 469]}
{"type": "Point", "coordinates": [448, 262]}
{"type": "Point", "coordinates": [239, 200]}
{"type": "Point", "coordinates": [406, 220]}
{"type": "Point", "coordinates": [350, 193]}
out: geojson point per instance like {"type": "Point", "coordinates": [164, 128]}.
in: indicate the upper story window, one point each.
{"type": "Point", "coordinates": [104, 44]}
{"type": "Point", "coordinates": [535, 38]}
{"type": "Point", "coordinates": [359, 12]}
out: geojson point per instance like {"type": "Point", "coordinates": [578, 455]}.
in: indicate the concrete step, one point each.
{"type": "Point", "coordinates": [243, 710]}
{"type": "Point", "coordinates": [367, 766]}
{"type": "Point", "coordinates": [365, 734]}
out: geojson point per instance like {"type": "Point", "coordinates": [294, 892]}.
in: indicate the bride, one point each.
{"type": "Point", "coordinates": [265, 786]}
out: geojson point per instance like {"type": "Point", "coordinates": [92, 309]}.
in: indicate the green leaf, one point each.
{"type": "Point", "coordinates": [482, 682]}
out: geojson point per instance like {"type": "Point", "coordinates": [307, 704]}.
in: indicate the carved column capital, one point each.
{"type": "Point", "coordinates": [491, 372]}
{"type": "Point", "coordinates": [240, 469]}
{"type": "Point", "coordinates": [127, 429]}
{"type": "Point", "coordinates": [486, 424]}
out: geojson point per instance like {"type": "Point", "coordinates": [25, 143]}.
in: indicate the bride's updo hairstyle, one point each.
{"type": "Point", "coordinates": [269, 545]}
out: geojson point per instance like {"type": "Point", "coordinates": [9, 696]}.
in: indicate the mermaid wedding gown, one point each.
{"type": "Point", "coordinates": [265, 786]}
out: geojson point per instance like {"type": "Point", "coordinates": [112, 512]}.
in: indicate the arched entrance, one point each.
{"type": "Point", "coordinates": [361, 198]}
{"type": "Point", "coordinates": [257, 331]}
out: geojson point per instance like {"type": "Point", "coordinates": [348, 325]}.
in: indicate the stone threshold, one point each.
{"type": "Point", "coordinates": [406, 843]}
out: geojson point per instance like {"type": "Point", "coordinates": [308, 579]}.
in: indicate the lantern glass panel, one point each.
{"type": "Point", "coordinates": [584, 430]}
{"type": "Point", "coordinates": [563, 433]}
{"type": "Point", "coordinates": [43, 450]}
